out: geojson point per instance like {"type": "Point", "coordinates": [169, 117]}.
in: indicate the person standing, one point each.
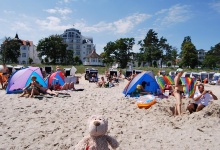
{"type": "Point", "coordinates": [178, 91]}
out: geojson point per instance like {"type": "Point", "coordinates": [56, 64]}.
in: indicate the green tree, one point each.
{"type": "Point", "coordinates": [69, 57]}
{"type": "Point", "coordinates": [212, 58]}
{"type": "Point", "coordinates": [107, 59]}
{"type": "Point", "coordinates": [174, 54]}
{"type": "Point", "coordinates": [77, 60]}
{"type": "Point", "coordinates": [30, 60]}
{"type": "Point", "coordinates": [189, 53]}
{"type": "Point", "coordinates": [119, 51]}
{"type": "Point", "coordinates": [10, 50]}
{"type": "Point", "coordinates": [153, 49]}
{"type": "Point", "coordinates": [53, 48]}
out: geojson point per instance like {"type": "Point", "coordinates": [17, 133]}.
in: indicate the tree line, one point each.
{"type": "Point", "coordinates": [154, 49]}
{"type": "Point", "coordinates": [52, 50]}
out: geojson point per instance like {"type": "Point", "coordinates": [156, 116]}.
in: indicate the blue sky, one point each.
{"type": "Point", "coordinates": [109, 20]}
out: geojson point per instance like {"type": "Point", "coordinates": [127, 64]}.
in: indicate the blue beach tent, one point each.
{"type": "Point", "coordinates": [146, 76]}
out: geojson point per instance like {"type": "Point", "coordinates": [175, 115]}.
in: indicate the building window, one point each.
{"type": "Point", "coordinates": [23, 54]}
{"type": "Point", "coordinates": [23, 48]}
{"type": "Point", "coordinates": [77, 52]}
{"type": "Point", "coordinates": [23, 62]}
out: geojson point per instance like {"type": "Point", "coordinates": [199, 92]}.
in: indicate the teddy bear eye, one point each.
{"type": "Point", "coordinates": [100, 119]}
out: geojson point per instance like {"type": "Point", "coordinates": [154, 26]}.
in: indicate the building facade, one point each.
{"type": "Point", "coordinates": [201, 55]}
{"type": "Point", "coordinates": [81, 45]}
{"type": "Point", "coordinates": [93, 59]}
{"type": "Point", "coordinates": [28, 51]}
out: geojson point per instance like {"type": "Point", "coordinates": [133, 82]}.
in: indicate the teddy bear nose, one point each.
{"type": "Point", "coordinates": [96, 123]}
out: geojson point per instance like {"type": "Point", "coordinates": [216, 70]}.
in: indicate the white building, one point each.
{"type": "Point", "coordinates": [27, 50]}
{"type": "Point", "coordinates": [81, 45]}
{"type": "Point", "coordinates": [201, 55]}
{"type": "Point", "coordinates": [93, 59]}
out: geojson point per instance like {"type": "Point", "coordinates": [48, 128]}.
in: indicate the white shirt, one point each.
{"type": "Point", "coordinates": [204, 100]}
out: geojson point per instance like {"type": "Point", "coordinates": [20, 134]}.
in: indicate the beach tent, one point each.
{"type": "Point", "coordinates": [57, 76]}
{"type": "Point", "coordinates": [22, 78]}
{"type": "Point", "coordinates": [146, 76]}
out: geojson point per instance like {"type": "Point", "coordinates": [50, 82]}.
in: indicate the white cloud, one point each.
{"type": "Point", "coordinates": [215, 6]}
{"type": "Point", "coordinates": [52, 23]}
{"type": "Point", "coordinates": [20, 26]}
{"type": "Point", "coordinates": [3, 20]}
{"type": "Point", "coordinates": [8, 12]}
{"type": "Point", "coordinates": [62, 11]}
{"type": "Point", "coordinates": [173, 15]}
{"type": "Point", "coordinates": [120, 26]}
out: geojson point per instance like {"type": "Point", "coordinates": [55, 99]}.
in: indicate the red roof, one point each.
{"type": "Point", "coordinates": [93, 54]}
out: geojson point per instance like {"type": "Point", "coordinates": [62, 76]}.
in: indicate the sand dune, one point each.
{"type": "Point", "coordinates": [60, 123]}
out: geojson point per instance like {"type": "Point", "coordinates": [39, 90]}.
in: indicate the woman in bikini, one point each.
{"type": "Point", "coordinates": [178, 91]}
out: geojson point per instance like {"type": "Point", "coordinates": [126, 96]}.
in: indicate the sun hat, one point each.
{"type": "Point", "coordinates": [138, 86]}
{"type": "Point", "coordinates": [179, 70]}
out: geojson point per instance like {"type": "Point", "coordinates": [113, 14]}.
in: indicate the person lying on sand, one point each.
{"type": "Point", "coordinates": [202, 99]}
{"type": "Point", "coordinates": [45, 90]}
{"type": "Point", "coordinates": [66, 86]}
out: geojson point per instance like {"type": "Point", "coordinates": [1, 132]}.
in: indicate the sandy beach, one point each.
{"type": "Point", "coordinates": [60, 123]}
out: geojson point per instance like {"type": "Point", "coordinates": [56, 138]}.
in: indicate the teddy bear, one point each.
{"type": "Point", "coordinates": [97, 138]}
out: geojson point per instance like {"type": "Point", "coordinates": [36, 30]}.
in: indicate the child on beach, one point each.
{"type": "Point", "coordinates": [31, 89]}
{"type": "Point", "coordinates": [140, 90]}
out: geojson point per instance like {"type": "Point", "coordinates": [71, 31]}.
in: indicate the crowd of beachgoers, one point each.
{"type": "Point", "coordinates": [56, 122]}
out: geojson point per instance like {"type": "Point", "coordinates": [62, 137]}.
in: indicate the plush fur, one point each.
{"type": "Point", "coordinates": [97, 138]}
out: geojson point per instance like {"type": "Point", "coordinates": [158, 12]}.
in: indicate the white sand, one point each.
{"type": "Point", "coordinates": [59, 123]}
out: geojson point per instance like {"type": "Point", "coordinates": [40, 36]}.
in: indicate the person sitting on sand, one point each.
{"type": "Point", "coordinates": [140, 90]}
{"type": "Point", "coordinates": [93, 78]}
{"type": "Point", "coordinates": [101, 83]}
{"type": "Point", "coordinates": [4, 75]}
{"type": "Point", "coordinates": [106, 74]}
{"type": "Point", "coordinates": [201, 98]}
{"type": "Point", "coordinates": [115, 78]}
{"type": "Point", "coordinates": [5, 84]}
{"type": "Point", "coordinates": [31, 89]}
{"type": "Point", "coordinates": [110, 83]}
{"type": "Point", "coordinates": [129, 77]}
{"type": "Point", "coordinates": [198, 80]}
